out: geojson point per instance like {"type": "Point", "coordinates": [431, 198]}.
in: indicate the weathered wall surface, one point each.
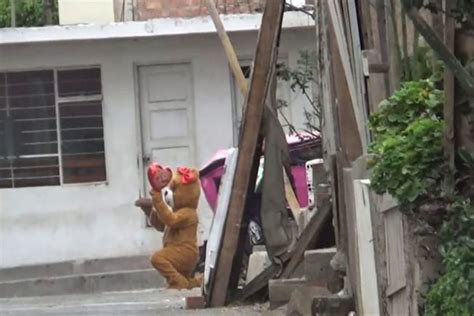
{"type": "Point", "coordinates": [147, 9]}
{"type": "Point", "coordinates": [70, 222]}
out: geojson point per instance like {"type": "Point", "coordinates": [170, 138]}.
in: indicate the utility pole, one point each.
{"type": "Point", "coordinates": [13, 13]}
{"type": "Point", "coordinates": [48, 12]}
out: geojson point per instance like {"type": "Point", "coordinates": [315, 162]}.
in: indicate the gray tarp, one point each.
{"type": "Point", "coordinates": [275, 223]}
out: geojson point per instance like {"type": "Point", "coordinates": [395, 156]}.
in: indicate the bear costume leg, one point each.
{"type": "Point", "coordinates": [176, 265]}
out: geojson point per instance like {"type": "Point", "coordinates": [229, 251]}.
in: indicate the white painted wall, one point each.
{"type": "Point", "coordinates": [50, 224]}
{"type": "Point", "coordinates": [85, 11]}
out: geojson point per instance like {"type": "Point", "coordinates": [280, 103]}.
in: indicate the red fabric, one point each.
{"type": "Point", "coordinates": [187, 176]}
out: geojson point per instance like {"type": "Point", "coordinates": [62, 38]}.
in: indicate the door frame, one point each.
{"type": "Point", "coordinates": [138, 116]}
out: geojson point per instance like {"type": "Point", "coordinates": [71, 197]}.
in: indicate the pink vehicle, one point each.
{"type": "Point", "coordinates": [303, 147]}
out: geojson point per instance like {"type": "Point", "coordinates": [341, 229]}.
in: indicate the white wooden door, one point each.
{"type": "Point", "coordinates": [166, 106]}
{"type": "Point", "coordinates": [283, 93]}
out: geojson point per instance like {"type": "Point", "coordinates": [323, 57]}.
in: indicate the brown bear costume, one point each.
{"type": "Point", "coordinates": [179, 255]}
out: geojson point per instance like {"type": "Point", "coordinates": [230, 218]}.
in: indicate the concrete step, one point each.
{"type": "Point", "coordinates": [35, 271]}
{"type": "Point", "coordinates": [83, 283]}
{"type": "Point", "coordinates": [332, 305]}
{"type": "Point", "coordinates": [318, 270]}
{"type": "Point", "coordinates": [75, 267]}
{"type": "Point", "coordinates": [280, 290]}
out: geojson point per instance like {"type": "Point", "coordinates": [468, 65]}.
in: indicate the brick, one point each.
{"type": "Point", "coordinates": [147, 9]}
{"type": "Point", "coordinates": [195, 302]}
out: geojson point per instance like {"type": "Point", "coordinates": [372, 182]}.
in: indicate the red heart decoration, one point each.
{"type": "Point", "coordinates": [158, 176]}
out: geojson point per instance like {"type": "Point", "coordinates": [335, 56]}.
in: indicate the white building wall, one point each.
{"type": "Point", "coordinates": [69, 222]}
{"type": "Point", "coordinates": [85, 11]}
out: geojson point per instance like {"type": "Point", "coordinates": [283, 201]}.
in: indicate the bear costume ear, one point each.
{"type": "Point", "coordinates": [187, 175]}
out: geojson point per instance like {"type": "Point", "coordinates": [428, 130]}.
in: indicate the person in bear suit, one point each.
{"type": "Point", "coordinates": [178, 257]}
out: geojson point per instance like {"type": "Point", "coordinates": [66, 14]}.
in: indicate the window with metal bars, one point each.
{"type": "Point", "coordinates": [51, 127]}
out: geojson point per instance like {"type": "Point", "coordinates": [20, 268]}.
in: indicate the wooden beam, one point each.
{"type": "Point", "coordinates": [261, 79]}
{"type": "Point", "coordinates": [243, 87]}
{"type": "Point", "coordinates": [228, 48]}
{"type": "Point", "coordinates": [466, 81]}
{"type": "Point", "coordinates": [342, 52]}
{"type": "Point", "coordinates": [349, 138]}
{"type": "Point", "coordinates": [376, 89]}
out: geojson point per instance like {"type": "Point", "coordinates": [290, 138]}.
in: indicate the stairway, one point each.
{"type": "Point", "coordinates": [314, 293]}
{"type": "Point", "coordinates": [90, 276]}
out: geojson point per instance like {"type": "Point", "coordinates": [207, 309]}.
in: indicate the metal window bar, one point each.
{"type": "Point", "coordinates": [83, 140]}
{"type": "Point", "coordinates": [76, 99]}
{"type": "Point", "coordinates": [65, 101]}
{"type": "Point", "coordinates": [83, 154]}
{"type": "Point", "coordinates": [58, 127]}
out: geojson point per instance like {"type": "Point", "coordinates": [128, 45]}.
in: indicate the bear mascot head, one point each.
{"type": "Point", "coordinates": [184, 189]}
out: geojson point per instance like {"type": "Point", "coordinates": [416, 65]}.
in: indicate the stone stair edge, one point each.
{"type": "Point", "coordinates": [79, 275]}
{"type": "Point", "coordinates": [83, 283]}
{"type": "Point", "coordinates": [74, 267]}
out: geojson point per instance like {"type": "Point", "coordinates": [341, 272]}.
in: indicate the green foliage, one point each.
{"type": "Point", "coordinates": [453, 293]}
{"type": "Point", "coordinates": [301, 78]}
{"type": "Point", "coordinates": [407, 142]}
{"type": "Point", "coordinates": [422, 65]}
{"type": "Point", "coordinates": [408, 164]}
{"type": "Point", "coordinates": [28, 13]}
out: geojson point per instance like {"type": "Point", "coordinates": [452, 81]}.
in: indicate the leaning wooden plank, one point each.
{"type": "Point", "coordinates": [347, 132]}
{"type": "Point", "coordinates": [242, 83]}
{"type": "Point", "coordinates": [357, 51]}
{"type": "Point", "coordinates": [260, 82]}
{"type": "Point", "coordinates": [293, 203]}
{"type": "Point", "coordinates": [353, 271]}
{"type": "Point", "coordinates": [308, 237]}
{"type": "Point", "coordinates": [229, 50]}
{"type": "Point", "coordinates": [336, 20]}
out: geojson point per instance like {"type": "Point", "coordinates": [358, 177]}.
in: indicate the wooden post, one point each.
{"type": "Point", "coordinates": [13, 13]}
{"type": "Point", "coordinates": [48, 11]}
{"type": "Point", "coordinates": [261, 79]}
{"type": "Point", "coordinates": [448, 109]}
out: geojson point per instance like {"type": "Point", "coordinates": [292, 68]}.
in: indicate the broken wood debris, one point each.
{"type": "Point", "coordinates": [287, 263]}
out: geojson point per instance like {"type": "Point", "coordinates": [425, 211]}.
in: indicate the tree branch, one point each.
{"type": "Point", "coordinates": [465, 79]}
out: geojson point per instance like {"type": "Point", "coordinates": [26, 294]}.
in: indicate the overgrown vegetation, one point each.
{"type": "Point", "coordinates": [453, 293]}
{"type": "Point", "coordinates": [28, 13]}
{"type": "Point", "coordinates": [408, 163]}
{"type": "Point", "coordinates": [407, 142]}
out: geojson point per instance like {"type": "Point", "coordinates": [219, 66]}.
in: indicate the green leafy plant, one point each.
{"type": "Point", "coordinates": [301, 78]}
{"type": "Point", "coordinates": [453, 293]}
{"type": "Point", "coordinates": [407, 146]}
{"type": "Point", "coordinates": [28, 13]}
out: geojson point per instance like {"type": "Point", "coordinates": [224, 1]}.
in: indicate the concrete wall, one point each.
{"type": "Point", "coordinates": [50, 224]}
{"type": "Point", "coordinates": [85, 11]}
